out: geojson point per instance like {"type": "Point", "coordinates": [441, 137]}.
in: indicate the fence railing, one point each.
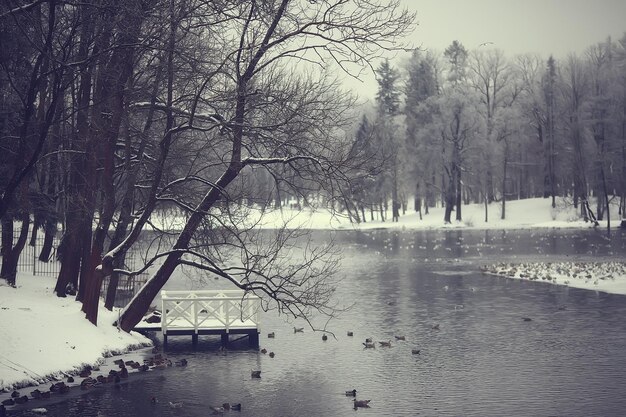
{"type": "Point", "coordinates": [127, 287]}
{"type": "Point", "coordinates": [209, 309]}
{"type": "Point", "coordinates": [29, 259]}
{"type": "Point", "coordinates": [29, 262]}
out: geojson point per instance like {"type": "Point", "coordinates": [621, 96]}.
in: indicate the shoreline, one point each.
{"type": "Point", "coordinates": [75, 387]}
{"type": "Point", "coordinates": [48, 338]}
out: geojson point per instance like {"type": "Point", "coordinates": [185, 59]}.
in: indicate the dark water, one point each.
{"type": "Point", "coordinates": [484, 361]}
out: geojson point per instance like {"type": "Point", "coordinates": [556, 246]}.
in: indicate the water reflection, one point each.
{"type": "Point", "coordinates": [484, 360]}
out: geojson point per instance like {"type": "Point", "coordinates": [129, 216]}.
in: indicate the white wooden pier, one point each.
{"type": "Point", "coordinates": [207, 312]}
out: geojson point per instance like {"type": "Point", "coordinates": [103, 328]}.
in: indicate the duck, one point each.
{"type": "Point", "coordinates": [369, 345]}
{"type": "Point", "coordinates": [154, 400]}
{"type": "Point", "coordinates": [35, 394]}
{"type": "Point", "coordinates": [368, 340]}
{"type": "Point", "coordinates": [60, 387]}
{"type": "Point", "coordinates": [70, 379]}
{"type": "Point", "coordinates": [272, 354]}
{"type": "Point", "coordinates": [400, 337]}
{"type": "Point", "coordinates": [415, 351]}
{"type": "Point", "coordinates": [361, 403]}
{"type": "Point", "coordinates": [15, 394]}
{"type": "Point", "coordinates": [177, 404]}
{"type": "Point", "coordinates": [217, 410]}
{"type": "Point", "coordinates": [435, 326]}
{"type": "Point", "coordinates": [85, 383]}
{"type": "Point", "coordinates": [271, 335]}
{"type": "Point", "coordinates": [21, 400]}
{"type": "Point", "coordinates": [255, 374]}
{"type": "Point", "coordinates": [298, 329]}
{"type": "Point", "coordinates": [351, 393]}
{"type": "Point", "coordinates": [385, 343]}
{"type": "Point", "coordinates": [350, 333]}
{"type": "Point", "coordinates": [324, 337]}
{"type": "Point", "coordinates": [263, 351]}
{"type": "Point", "coordinates": [39, 410]}
{"type": "Point", "coordinates": [235, 407]}
{"type": "Point", "coordinates": [182, 362]}
{"type": "Point", "coordinates": [527, 319]}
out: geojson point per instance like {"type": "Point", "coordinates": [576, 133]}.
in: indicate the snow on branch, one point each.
{"type": "Point", "coordinates": [208, 117]}
{"type": "Point", "coordinates": [23, 8]}
{"type": "Point", "coordinates": [286, 160]}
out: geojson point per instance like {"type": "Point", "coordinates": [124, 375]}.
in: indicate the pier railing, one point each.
{"type": "Point", "coordinates": [209, 310]}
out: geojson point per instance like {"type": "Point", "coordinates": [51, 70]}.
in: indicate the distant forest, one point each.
{"type": "Point", "coordinates": [475, 126]}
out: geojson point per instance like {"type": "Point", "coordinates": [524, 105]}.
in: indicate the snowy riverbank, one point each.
{"type": "Point", "coordinates": [44, 337]}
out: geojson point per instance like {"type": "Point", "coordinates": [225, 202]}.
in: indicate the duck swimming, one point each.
{"type": "Point", "coordinates": [361, 403]}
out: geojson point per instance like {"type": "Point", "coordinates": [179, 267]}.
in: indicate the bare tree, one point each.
{"type": "Point", "coordinates": [253, 113]}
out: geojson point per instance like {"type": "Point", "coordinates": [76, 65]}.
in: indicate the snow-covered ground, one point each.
{"type": "Point", "coordinates": [43, 336]}
{"type": "Point", "coordinates": [522, 214]}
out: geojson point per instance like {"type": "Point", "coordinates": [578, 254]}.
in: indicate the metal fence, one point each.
{"type": "Point", "coordinates": [127, 287]}
{"type": "Point", "coordinates": [29, 263]}
{"type": "Point", "coordinates": [29, 258]}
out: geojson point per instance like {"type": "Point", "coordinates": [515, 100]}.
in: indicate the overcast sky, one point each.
{"type": "Point", "coordinates": [546, 27]}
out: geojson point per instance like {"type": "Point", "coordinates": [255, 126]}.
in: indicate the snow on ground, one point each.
{"type": "Point", "coordinates": [44, 336]}
{"type": "Point", "coordinates": [520, 214]}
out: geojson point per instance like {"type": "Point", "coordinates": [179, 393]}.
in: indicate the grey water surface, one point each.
{"type": "Point", "coordinates": [484, 360]}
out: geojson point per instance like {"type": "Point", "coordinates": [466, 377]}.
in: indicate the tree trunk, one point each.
{"type": "Point", "coordinates": [458, 200]}
{"type": "Point", "coordinates": [11, 254]}
{"type": "Point", "coordinates": [111, 93]}
{"type": "Point", "coordinates": [134, 312]}
{"type": "Point", "coordinates": [504, 173]}
{"type": "Point", "coordinates": [50, 231]}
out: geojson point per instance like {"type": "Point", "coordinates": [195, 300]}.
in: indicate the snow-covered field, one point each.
{"type": "Point", "coordinates": [43, 337]}
{"type": "Point", "coordinates": [522, 214]}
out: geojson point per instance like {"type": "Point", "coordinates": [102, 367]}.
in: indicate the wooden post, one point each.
{"type": "Point", "coordinates": [194, 339]}
{"type": "Point", "coordinates": [224, 339]}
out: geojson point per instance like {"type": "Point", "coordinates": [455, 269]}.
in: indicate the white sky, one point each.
{"type": "Point", "coordinates": [546, 27]}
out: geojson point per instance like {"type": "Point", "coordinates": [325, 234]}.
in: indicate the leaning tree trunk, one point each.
{"type": "Point", "coordinates": [134, 312]}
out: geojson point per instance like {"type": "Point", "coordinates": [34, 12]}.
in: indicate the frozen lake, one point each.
{"type": "Point", "coordinates": [484, 360]}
